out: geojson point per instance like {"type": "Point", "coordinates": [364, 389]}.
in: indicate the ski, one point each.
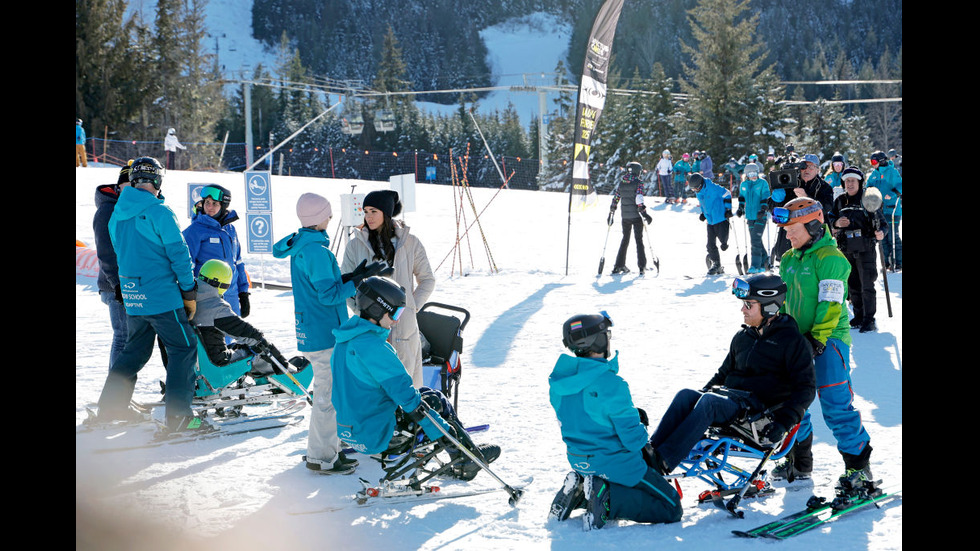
{"type": "Point", "coordinates": [372, 496]}
{"type": "Point", "coordinates": [181, 438]}
{"type": "Point", "coordinates": [818, 511]}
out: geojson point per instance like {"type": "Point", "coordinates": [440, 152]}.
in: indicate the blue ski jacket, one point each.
{"type": "Point", "coordinates": [889, 183]}
{"type": "Point", "coordinates": [754, 193]}
{"type": "Point", "coordinates": [715, 201]}
{"type": "Point", "coordinates": [79, 135]}
{"type": "Point", "coordinates": [154, 263]}
{"type": "Point", "coordinates": [601, 428]}
{"type": "Point", "coordinates": [209, 239]}
{"type": "Point", "coordinates": [681, 170]}
{"type": "Point", "coordinates": [319, 295]}
{"type": "Point", "coordinates": [369, 385]}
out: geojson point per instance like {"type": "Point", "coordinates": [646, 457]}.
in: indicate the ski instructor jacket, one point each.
{"type": "Point", "coordinates": [319, 294]}
{"type": "Point", "coordinates": [369, 385]}
{"type": "Point", "coordinates": [154, 263]}
{"type": "Point", "coordinates": [208, 238]}
{"type": "Point", "coordinates": [599, 424]}
{"type": "Point", "coordinates": [775, 365]}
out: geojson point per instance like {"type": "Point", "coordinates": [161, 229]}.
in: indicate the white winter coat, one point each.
{"type": "Point", "coordinates": [412, 271]}
{"type": "Point", "coordinates": [170, 143]}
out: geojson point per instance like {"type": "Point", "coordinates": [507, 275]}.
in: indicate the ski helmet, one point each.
{"type": "Point", "coordinates": [217, 194]}
{"type": "Point", "coordinates": [634, 169]}
{"type": "Point", "coordinates": [696, 181]}
{"type": "Point", "coordinates": [879, 158]}
{"type": "Point", "coordinates": [146, 170]}
{"type": "Point", "coordinates": [769, 290]}
{"type": "Point", "coordinates": [802, 210]}
{"type": "Point", "coordinates": [124, 173]}
{"type": "Point", "coordinates": [377, 296]}
{"type": "Point", "coordinates": [837, 158]}
{"type": "Point", "coordinates": [216, 273]}
{"type": "Point", "coordinates": [665, 154]}
{"type": "Point", "coordinates": [587, 333]}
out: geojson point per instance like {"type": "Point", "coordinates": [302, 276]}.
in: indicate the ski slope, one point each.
{"type": "Point", "coordinates": [672, 331]}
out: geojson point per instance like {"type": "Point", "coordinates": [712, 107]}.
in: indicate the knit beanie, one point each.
{"type": "Point", "coordinates": [852, 171]}
{"type": "Point", "coordinates": [385, 200]}
{"type": "Point", "coordinates": [312, 209]}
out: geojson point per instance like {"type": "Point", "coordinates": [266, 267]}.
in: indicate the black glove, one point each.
{"type": "Point", "coordinates": [728, 214]}
{"type": "Point", "coordinates": [418, 413]}
{"type": "Point", "coordinates": [643, 213]}
{"type": "Point", "coordinates": [816, 345]}
{"type": "Point", "coordinates": [774, 431]}
{"type": "Point", "coordinates": [701, 217]}
{"type": "Point", "coordinates": [653, 459]}
{"type": "Point", "coordinates": [741, 211]}
{"type": "Point", "coordinates": [644, 419]}
{"type": "Point", "coordinates": [118, 293]}
{"type": "Point", "coordinates": [244, 304]}
{"type": "Point", "coordinates": [364, 271]}
{"type": "Point", "coordinates": [612, 213]}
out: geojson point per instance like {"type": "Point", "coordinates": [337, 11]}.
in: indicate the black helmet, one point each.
{"type": "Point", "coordinates": [634, 169]}
{"type": "Point", "coordinates": [768, 289]}
{"type": "Point", "coordinates": [587, 333]}
{"type": "Point", "coordinates": [377, 296]}
{"type": "Point", "coordinates": [837, 158]}
{"type": "Point", "coordinates": [217, 193]}
{"type": "Point", "coordinates": [879, 158]}
{"type": "Point", "coordinates": [146, 170]}
{"type": "Point", "coordinates": [696, 181]}
{"type": "Point", "coordinates": [124, 173]}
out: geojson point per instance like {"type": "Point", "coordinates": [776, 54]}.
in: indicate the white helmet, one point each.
{"type": "Point", "coordinates": [665, 154]}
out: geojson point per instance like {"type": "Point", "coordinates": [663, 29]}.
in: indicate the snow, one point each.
{"type": "Point", "coordinates": [672, 332]}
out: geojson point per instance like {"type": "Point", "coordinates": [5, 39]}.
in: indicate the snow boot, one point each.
{"type": "Point", "coordinates": [570, 496]}
{"type": "Point", "coordinates": [341, 465]}
{"type": "Point", "coordinates": [468, 469]}
{"type": "Point", "coordinates": [868, 326]}
{"type": "Point", "coordinates": [619, 270]}
{"type": "Point", "coordinates": [597, 512]}
{"type": "Point", "coordinates": [856, 322]}
{"type": "Point", "coordinates": [798, 464]}
{"type": "Point", "coordinates": [187, 424]}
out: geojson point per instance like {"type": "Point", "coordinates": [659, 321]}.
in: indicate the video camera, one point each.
{"type": "Point", "coordinates": [787, 177]}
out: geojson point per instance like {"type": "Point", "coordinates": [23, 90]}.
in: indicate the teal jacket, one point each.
{"type": "Point", "coordinates": [889, 183]}
{"type": "Point", "coordinates": [319, 295]}
{"type": "Point", "coordinates": [754, 194]}
{"type": "Point", "coordinates": [599, 424]}
{"type": "Point", "coordinates": [369, 384]}
{"type": "Point", "coordinates": [681, 170]}
{"type": "Point", "coordinates": [154, 263]}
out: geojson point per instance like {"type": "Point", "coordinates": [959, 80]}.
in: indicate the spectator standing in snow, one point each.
{"type": "Point", "coordinates": [171, 145]}
{"type": "Point", "coordinates": [211, 235]}
{"type": "Point", "coordinates": [106, 197]}
{"type": "Point", "coordinates": [682, 169]}
{"type": "Point", "coordinates": [384, 239]}
{"type": "Point", "coordinates": [889, 183]}
{"type": "Point", "coordinates": [833, 174]}
{"type": "Point", "coordinates": [752, 196]}
{"type": "Point", "coordinates": [664, 169]}
{"type": "Point", "coordinates": [633, 214]}
{"type": "Point", "coordinates": [857, 232]}
{"type": "Point", "coordinates": [81, 157]}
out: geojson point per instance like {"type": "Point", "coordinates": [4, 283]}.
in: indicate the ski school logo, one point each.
{"type": "Point", "coordinates": [346, 434]}
{"type": "Point", "coordinates": [129, 286]}
{"type": "Point", "coordinates": [582, 466]}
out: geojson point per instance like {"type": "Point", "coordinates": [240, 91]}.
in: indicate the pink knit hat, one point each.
{"type": "Point", "coordinates": [312, 209]}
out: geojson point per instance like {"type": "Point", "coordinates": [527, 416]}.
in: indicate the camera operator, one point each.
{"type": "Point", "coordinates": [793, 179]}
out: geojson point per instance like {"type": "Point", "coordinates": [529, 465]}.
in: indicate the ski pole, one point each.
{"type": "Point", "coordinates": [738, 248]}
{"type": "Point", "coordinates": [653, 257]}
{"type": "Point", "coordinates": [271, 358]}
{"type": "Point", "coordinates": [515, 493]}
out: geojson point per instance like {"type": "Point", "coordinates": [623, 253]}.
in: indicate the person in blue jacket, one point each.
{"type": "Point", "coordinates": [159, 292]}
{"type": "Point", "coordinates": [371, 384]}
{"type": "Point", "coordinates": [320, 295]}
{"type": "Point", "coordinates": [211, 236]}
{"type": "Point", "coordinates": [752, 195]}
{"type": "Point", "coordinates": [716, 208]}
{"type": "Point", "coordinates": [682, 169]}
{"type": "Point", "coordinates": [81, 157]}
{"type": "Point", "coordinates": [889, 182]}
{"type": "Point", "coordinates": [605, 435]}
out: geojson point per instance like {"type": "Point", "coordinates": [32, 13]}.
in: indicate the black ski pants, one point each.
{"type": "Point", "coordinates": [636, 227]}
{"type": "Point", "coordinates": [861, 282]}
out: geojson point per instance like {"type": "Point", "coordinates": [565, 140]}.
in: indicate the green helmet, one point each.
{"type": "Point", "coordinates": [216, 273]}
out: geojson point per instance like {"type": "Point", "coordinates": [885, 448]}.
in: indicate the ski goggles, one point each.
{"type": "Point", "coordinates": [782, 215]}
{"type": "Point", "coordinates": [212, 192]}
{"type": "Point", "coordinates": [740, 288]}
{"type": "Point", "coordinates": [397, 313]}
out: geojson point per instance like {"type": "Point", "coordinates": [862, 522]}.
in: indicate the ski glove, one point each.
{"type": "Point", "coordinates": [644, 418]}
{"type": "Point", "coordinates": [728, 214]}
{"type": "Point", "coordinates": [243, 303]}
{"type": "Point", "coordinates": [816, 345]}
{"type": "Point", "coordinates": [741, 211]}
{"type": "Point", "coordinates": [365, 270]}
{"type": "Point", "coordinates": [774, 432]}
{"type": "Point", "coordinates": [643, 213]}
{"type": "Point", "coordinates": [701, 217]}
{"type": "Point", "coordinates": [190, 301]}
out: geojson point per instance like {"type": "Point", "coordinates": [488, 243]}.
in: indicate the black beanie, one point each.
{"type": "Point", "coordinates": [385, 200]}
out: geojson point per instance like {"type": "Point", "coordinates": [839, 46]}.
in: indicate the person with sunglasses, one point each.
{"type": "Point", "coordinates": [816, 275]}
{"type": "Point", "coordinates": [371, 387]}
{"type": "Point", "coordinates": [320, 293]}
{"type": "Point", "coordinates": [211, 235]}
{"type": "Point", "coordinates": [768, 362]}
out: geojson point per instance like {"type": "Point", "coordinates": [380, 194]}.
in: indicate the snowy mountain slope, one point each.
{"type": "Point", "coordinates": [236, 493]}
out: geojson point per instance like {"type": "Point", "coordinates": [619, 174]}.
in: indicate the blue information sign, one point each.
{"type": "Point", "coordinates": [259, 232]}
{"type": "Point", "coordinates": [258, 191]}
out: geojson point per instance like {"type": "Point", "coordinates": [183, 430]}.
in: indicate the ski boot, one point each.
{"type": "Point", "coordinates": [597, 512]}
{"type": "Point", "coordinates": [570, 496]}
{"type": "Point", "coordinates": [620, 270]}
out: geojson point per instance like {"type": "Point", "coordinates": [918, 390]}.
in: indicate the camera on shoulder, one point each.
{"type": "Point", "coordinates": [787, 177]}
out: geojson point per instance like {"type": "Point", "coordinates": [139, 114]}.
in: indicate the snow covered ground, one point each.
{"type": "Point", "coordinates": [671, 331]}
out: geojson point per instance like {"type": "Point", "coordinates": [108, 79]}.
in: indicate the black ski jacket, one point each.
{"type": "Point", "coordinates": [776, 365]}
{"type": "Point", "coordinates": [846, 206]}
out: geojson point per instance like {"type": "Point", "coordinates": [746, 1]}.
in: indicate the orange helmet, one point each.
{"type": "Point", "coordinates": [798, 211]}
